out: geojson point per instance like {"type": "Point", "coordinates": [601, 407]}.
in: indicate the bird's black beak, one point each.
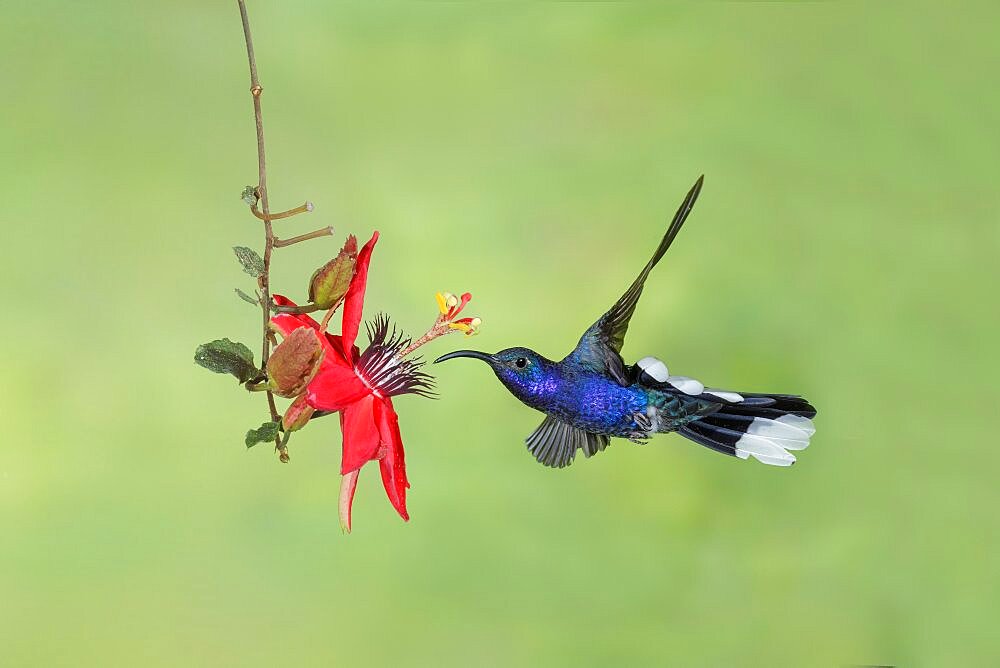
{"type": "Point", "coordinates": [467, 353]}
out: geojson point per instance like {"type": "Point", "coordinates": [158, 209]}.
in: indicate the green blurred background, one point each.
{"type": "Point", "coordinates": [845, 247]}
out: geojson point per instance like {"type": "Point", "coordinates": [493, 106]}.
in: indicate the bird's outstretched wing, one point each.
{"type": "Point", "coordinates": [601, 345]}
{"type": "Point", "coordinates": [555, 443]}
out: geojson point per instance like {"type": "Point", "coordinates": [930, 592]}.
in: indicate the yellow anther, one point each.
{"type": "Point", "coordinates": [470, 327]}
{"type": "Point", "coordinates": [442, 302]}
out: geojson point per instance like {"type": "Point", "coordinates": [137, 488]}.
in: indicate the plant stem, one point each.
{"type": "Point", "coordinates": [440, 328]}
{"type": "Point", "coordinates": [264, 281]}
{"type": "Point", "coordinates": [322, 232]}
{"type": "Point", "coordinates": [305, 208]}
{"type": "Point", "coordinates": [296, 310]}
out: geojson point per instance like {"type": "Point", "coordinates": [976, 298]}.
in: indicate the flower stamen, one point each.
{"type": "Point", "coordinates": [442, 300]}
{"type": "Point", "coordinates": [382, 366]}
{"type": "Point", "coordinates": [468, 326]}
{"type": "Point", "coordinates": [449, 307]}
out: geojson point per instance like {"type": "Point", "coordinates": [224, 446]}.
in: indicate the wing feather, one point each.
{"type": "Point", "coordinates": [554, 443]}
{"type": "Point", "coordinates": [601, 345]}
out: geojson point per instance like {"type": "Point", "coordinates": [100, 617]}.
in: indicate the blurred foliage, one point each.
{"type": "Point", "coordinates": [845, 247]}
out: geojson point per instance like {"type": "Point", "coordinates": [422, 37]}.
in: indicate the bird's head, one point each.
{"type": "Point", "coordinates": [527, 375]}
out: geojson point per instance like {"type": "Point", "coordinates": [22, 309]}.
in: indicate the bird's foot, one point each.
{"type": "Point", "coordinates": [641, 435]}
{"type": "Point", "coordinates": [643, 423]}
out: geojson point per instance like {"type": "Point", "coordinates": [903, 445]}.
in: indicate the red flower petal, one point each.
{"type": "Point", "coordinates": [284, 321]}
{"type": "Point", "coordinates": [338, 344]}
{"type": "Point", "coordinates": [361, 435]}
{"type": "Point", "coordinates": [354, 300]}
{"type": "Point", "coordinates": [392, 463]}
{"type": "Point", "coordinates": [335, 387]}
{"type": "Point", "coordinates": [348, 485]}
{"type": "Point", "coordinates": [288, 322]}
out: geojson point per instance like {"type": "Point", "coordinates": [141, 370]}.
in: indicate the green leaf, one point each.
{"type": "Point", "coordinates": [252, 263]}
{"type": "Point", "coordinates": [225, 356]}
{"type": "Point", "coordinates": [247, 298]}
{"type": "Point", "coordinates": [249, 195]}
{"type": "Point", "coordinates": [266, 432]}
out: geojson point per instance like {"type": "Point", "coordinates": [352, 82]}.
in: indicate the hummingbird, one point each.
{"type": "Point", "coordinates": [592, 395]}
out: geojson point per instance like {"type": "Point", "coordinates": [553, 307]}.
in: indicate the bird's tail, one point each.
{"type": "Point", "coordinates": [767, 427]}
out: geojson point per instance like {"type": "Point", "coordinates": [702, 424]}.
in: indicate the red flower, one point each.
{"type": "Point", "coordinates": [360, 385]}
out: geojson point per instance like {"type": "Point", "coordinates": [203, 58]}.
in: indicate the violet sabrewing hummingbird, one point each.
{"type": "Point", "coordinates": [591, 395]}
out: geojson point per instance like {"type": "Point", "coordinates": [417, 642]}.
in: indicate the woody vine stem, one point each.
{"type": "Point", "coordinates": [264, 214]}
{"type": "Point", "coordinates": [320, 372]}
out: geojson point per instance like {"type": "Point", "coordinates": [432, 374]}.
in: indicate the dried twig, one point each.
{"type": "Point", "coordinates": [265, 280]}
{"type": "Point", "coordinates": [315, 234]}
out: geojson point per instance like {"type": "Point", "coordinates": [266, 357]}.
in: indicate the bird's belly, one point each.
{"type": "Point", "coordinates": [601, 406]}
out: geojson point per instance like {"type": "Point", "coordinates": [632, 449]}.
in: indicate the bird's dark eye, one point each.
{"type": "Point", "coordinates": [520, 362]}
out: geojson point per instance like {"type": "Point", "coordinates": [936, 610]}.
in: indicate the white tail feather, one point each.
{"type": "Point", "coordinates": [768, 427]}
{"type": "Point", "coordinates": [687, 385]}
{"type": "Point", "coordinates": [769, 441]}
{"type": "Point", "coordinates": [803, 423]}
{"type": "Point", "coordinates": [772, 461]}
{"type": "Point", "coordinates": [725, 395]}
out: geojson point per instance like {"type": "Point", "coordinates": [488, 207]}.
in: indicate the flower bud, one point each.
{"type": "Point", "coordinates": [330, 282]}
{"type": "Point", "coordinates": [295, 362]}
{"type": "Point", "coordinates": [297, 415]}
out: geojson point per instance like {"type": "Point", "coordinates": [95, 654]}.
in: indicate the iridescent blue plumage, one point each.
{"type": "Point", "coordinates": [592, 395]}
{"type": "Point", "coordinates": [575, 395]}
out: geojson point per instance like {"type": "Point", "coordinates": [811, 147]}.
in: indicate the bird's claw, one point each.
{"type": "Point", "coordinates": [644, 425]}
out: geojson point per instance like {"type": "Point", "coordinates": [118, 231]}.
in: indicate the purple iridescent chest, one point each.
{"type": "Point", "coordinates": [597, 404]}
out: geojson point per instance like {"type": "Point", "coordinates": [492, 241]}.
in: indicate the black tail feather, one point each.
{"type": "Point", "coordinates": [783, 403]}
{"type": "Point", "coordinates": [697, 432]}
{"type": "Point", "coordinates": [764, 426]}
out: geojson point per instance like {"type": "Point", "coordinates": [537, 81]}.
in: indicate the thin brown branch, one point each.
{"type": "Point", "coordinates": [315, 234]}
{"type": "Point", "coordinates": [265, 281]}
{"type": "Point", "coordinates": [297, 310]}
{"type": "Point", "coordinates": [305, 208]}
